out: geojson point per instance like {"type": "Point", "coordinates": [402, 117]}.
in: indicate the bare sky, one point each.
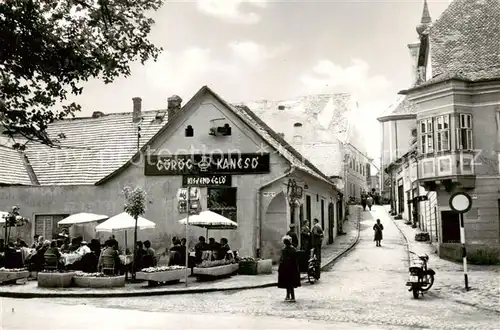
{"type": "Point", "coordinates": [248, 50]}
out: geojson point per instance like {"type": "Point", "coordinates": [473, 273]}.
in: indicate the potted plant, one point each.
{"type": "Point", "coordinates": [55, 279]}
{"type": "Point", "coordinates": [135, 206]}
{"type": "Point", "coordinates": [10, 276]}
{"type": "Point", "coordinates": [161, 274]}
{"type": "Point", "coordinates": [215, 268]}
{"type": "Point", "coordinates": [248, 266]}
{"type": "Point", "coordinates": [98, 280]}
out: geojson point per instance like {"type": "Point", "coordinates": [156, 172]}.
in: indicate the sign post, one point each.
{"type": "Point", "coordinates": [461, 203]}
{"type": "Point", "coordinates": [188, 203]}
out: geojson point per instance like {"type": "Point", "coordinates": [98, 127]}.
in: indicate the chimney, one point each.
{"type": "Point", "coordinates": [137, 111]}
{"type": "Point", "coordinates": [174, 106]}
{"type": "Point", "coordinates": [297, 133]}
{"type": "Point", "coordinates": [97, 114]}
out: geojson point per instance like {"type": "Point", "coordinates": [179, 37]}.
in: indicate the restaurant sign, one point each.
{"type": "Point", "coordinates": [206, 180]}
{"type": "Point", "coordinates": [207, 164]}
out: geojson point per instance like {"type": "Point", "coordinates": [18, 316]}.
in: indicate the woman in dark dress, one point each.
{"type": "Point", "coordinates": [288, 271]}
{"type": "Point", "coordinates": [378, 227]}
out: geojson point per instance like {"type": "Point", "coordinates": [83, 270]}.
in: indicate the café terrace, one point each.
{"type": "Point", "coordinates": [99, 156]}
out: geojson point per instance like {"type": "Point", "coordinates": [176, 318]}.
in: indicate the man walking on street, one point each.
{"type": "Point", "coordinates": [317, 239]}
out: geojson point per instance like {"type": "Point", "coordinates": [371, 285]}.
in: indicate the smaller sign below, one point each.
{"type": "Point", "coordinates": [269, 194]}
{"type": "Point", "coordinates": [207, 180]}
{"type": "Point", "coordinates": [195, 194]}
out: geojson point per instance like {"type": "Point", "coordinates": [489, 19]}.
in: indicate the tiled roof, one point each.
{"type": "Point", "coordinates": [277, 143]}
{"type": "Point", "coordinates": [92, 149]}
{"type": "Point", "coordinates": [401, 107]}
{"type": "Point", "coordinates": [326, 157]}
{"type": "Point", "coordinates": [465, 40]}
{"type": "Point", "coordinates": [13, 170]}
{"type": "Point", "coordinates": [323, 112]}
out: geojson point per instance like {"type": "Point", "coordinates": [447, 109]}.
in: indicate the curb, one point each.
{"type": "Point", "coordinates": [349, 248]}
{"type": "Point", "coordinates": [447, 296]}
{"type": "Point", "coordinates": [28, 295]}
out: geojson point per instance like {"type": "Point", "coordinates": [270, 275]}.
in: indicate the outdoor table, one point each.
{"type": "Point", "coordinates": [126, 259]}
{"type": "Point", "coordinates": [70, 258]}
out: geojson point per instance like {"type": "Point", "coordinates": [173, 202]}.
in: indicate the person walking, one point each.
{"type": "Point", "coordinates": [363, 201]}
{"type": "Point", "coordinates": [288, 271]}
{"type": "Point", "coordinates": [369, 202]}
{"type": "Point", "coordinates": [317, 239]}
{"type": "Point", "coordinates": [293, 235]}
{"type": "Point", "coordinates": [378, 227]}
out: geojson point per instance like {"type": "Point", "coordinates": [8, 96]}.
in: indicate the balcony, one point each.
{"type": "Point", "coordinates": [455, 167]}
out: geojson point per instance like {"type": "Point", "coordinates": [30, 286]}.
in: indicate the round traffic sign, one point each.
{"type": "Point", "coordinates": [460, 202]}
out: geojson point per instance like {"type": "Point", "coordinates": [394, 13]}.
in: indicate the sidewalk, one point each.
{"type": "Point", "coordinates": [330, 254]}
{"type": "Point", "coordinates": [483, 280]}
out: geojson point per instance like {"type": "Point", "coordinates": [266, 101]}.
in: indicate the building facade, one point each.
{"type": "Point", "coordinates": [456, 102]}
{"type": "Point", "coordinates": [323, 129]}
{"type": "Point", "coordinates": [245, 176]}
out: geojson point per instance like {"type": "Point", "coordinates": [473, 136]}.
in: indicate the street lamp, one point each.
{"type": "Point", "coordinates": [294, 193]}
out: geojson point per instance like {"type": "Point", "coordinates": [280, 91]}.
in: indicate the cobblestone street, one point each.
{"type": "Point", "coordinates": [366, 287]}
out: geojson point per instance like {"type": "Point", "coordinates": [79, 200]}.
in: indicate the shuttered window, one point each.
{"type": "Point", "coordinates": [46, 225]}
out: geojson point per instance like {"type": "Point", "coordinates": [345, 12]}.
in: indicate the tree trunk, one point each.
{"type": "Point", "coordinates": [135, 249]}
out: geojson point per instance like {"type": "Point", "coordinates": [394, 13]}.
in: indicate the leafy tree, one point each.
{"type": "Point", "coordinates": [135, 207]}
{"type": "Point", "coordinates": [49, 48]}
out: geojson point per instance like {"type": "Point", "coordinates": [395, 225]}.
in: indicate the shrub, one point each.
{"type": "Point", "coordinates": [485, 256]}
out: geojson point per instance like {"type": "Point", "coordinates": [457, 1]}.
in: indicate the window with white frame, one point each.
{"type": "Point", "coordinates": [443, 133]}
{"type": "Point", "coordinates": [426, 136]}
{"type": "Point", "coordinates": [464, 132]}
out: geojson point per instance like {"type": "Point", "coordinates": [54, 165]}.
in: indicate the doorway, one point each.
{"type": "Point", "coordinates": [331, 222]}
{"type": "Point", "coordinates": [450, 227]}
{"type": "Point", "coordinates": [401, 199]}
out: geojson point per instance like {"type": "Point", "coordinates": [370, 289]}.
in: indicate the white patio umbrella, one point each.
{"type": "Point", "coordinates": [124, 221]}
{"type": "Point", "coordinates": [3, 215]}
{"type": "Point", "coordinates": [81, 218]}
{"type": "Point", "coordinates": [210, 220]}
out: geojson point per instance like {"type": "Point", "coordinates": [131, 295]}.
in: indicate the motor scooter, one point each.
{"type": "Point", "coordinates": [421, 278]}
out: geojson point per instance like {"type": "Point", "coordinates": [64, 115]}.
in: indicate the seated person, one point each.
{"type": "Point", "coordinates": [109, 251]}
{"type": "Point", "coordinates": [35, 241]}
{"type": "Point", "coordinates": [52, 250]}
{"type": "Point", "coordinates": [176, 254]}
{"type": "Point", "coordinates": [224, 248]}
{"type": "Point", "coordinates": [138, 258]}
{"type": "Point", "coordinates": [65, 247]}
{"type": "Point", "coordinates": [213, 246]}
{"type": "Point", "coordinates": [149, 259]}
{"type": "Point", "coordinates": [199, 248]}
{"type": "Point", "coordinates": [75, 245]}
{"type": "Point", "coordinates": [83, 249]}
{"type": "Point", "coordinates": [37, 261]}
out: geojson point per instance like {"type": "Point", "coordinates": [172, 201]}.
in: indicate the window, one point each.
{"type": "Point", "coordinates": [426, 136]}
{"type": "Point", "coordinates": [308, 210]}
{"type": "Point", "coordinates": [443, 133]}
{"type": "Point", "coordinates": [464, 132]}
{"type": "Point", "coordinates": [189, 131]}
{"type": "Point", "coordinates": [46, 225]}
{"type": "Point", "coordinates": [222, 201]}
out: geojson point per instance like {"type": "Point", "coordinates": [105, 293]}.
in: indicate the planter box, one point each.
{"type": "Point", "coordinates": [7, 277]}
{"type": "Point", "coordinates": [55, 280]}
{"type": "Point", "coordinates": [165, 276]}
{"type": "Point", "coordinates": [217, 271]}
{"type": "Point", "coordinates": [265, 266]}
{"type": "Point", "coordinates": [99, 282]}
{"type": "Point", "coordinates": [247, 268]}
